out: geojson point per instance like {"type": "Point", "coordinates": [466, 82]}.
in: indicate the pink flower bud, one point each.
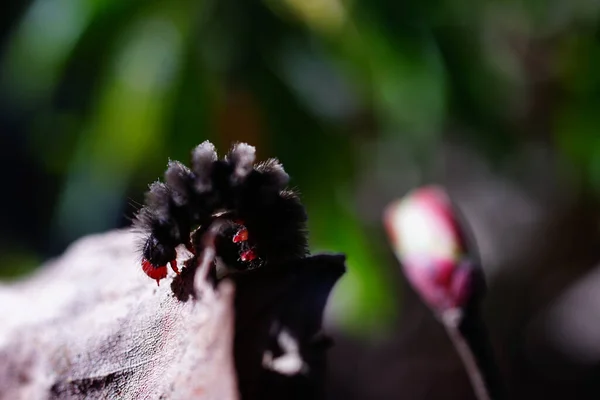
{"type": "Point", "coordinates": [430, 245]}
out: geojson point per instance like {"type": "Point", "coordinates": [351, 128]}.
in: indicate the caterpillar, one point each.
{"type": "Point", "coordinates": [266, 221]}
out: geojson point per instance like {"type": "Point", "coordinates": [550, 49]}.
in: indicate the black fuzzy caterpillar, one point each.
{"type": "Point", "coordinates": [266, 222]}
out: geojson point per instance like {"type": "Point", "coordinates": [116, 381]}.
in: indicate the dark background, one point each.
{"type": "Point", "coordinates": [361, 100]}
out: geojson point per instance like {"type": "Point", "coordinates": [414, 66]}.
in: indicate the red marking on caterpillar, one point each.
{"type": "Point", "coordinates": [241, 236]}
{"type": "Point", "coordinates": [156, 273]}
{"type": "Point", "coordinates": [248, 255]}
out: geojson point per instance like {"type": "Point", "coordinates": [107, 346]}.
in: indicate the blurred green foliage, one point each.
{"type": "Point", "coordinates": [114, 88]}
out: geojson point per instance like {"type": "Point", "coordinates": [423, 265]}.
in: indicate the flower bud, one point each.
{"type": "Point", "coordinates": [431, 247]}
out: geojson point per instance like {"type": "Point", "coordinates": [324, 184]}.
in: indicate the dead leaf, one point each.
{"type": "Point", "coordinates": [91, 324]}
